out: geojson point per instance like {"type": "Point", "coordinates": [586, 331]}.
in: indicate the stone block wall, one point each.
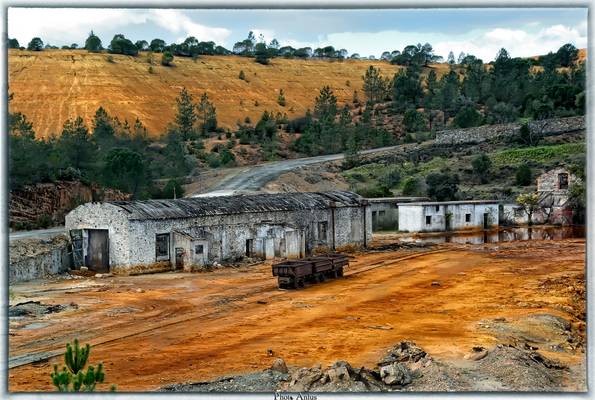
{"type": "Point", "coordinates": [479, 134]}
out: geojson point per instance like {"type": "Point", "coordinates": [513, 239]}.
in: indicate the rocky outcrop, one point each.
{"type": "Point", "coordinates": [46, 204]}
{"type": "Point", "coordinates": [549, 127]}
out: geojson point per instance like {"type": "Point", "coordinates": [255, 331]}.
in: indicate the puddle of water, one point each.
{"type": "Point", "coordinates": [503, 234]}
{"type": "Point", "coordinates": [35, 325]}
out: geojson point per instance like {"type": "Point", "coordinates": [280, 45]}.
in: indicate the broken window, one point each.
{"type": "Point", "coordinates": [322, 228]}
{"type": "Point", "coordinates": [467, 217]}
{"type": "Point", "coordinates": [162, 246]}
{"type": "Point", "coordinates": [428, 219]}
{"type": "Point", "coordinates": [199, 249]}
{"type": "Point", "coordinates": [562, 181]}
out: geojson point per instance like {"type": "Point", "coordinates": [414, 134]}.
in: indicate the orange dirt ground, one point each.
{"type": "Point", "coordinates": [153, 330]}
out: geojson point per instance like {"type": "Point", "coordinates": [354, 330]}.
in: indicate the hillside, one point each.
{"type": "Point", "coordinates": [53, 85]}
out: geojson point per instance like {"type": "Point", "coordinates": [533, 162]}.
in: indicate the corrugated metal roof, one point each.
{"type": "Point", "coordinates": [226, 205]}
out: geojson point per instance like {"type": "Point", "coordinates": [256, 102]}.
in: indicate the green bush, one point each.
{"type": "Point", "coordinates": [523, 175]}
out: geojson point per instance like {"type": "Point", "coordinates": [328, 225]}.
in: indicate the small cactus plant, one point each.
{"type": "Point", "coordinates": [76, 358]}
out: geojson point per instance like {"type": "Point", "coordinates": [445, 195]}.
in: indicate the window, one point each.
{"type": "Point", "coordinates": [162, 246]}
{"type": "Point", "coordinates": [249, 247]}
{"type": "Point", "coordinates": [467, 217]}
{"type": "Point", "coordinates": [322, 228]}
{"type": "Point", "coordinates": [562, 181]}
{"type": "Point", "coordinates": [437, 208]}
{"type": "Point", "coordinates": [428, 220]}
{"type": "Point", "coordinates": [199, 249]}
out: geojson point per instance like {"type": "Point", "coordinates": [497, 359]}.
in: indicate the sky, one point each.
{"type": "Point", "coordinates": [481, 32]}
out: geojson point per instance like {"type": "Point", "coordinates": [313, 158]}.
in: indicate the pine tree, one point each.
{"type": "Point", "coordinates": [325, 105]}
{"type": "Point", "coordinates": [186, 116]}
{"type": "Point", "coordinates": [281, 98]}
{"type": "Point", "coordinates": [207, 114]}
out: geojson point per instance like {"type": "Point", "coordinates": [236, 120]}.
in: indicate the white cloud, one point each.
{"type": "Point", "coordinates": [177, 22]}
{"type": "Point", "coordinates": [64, 25]}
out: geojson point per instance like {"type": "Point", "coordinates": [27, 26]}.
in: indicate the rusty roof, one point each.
{"type": "Point", "coordinates": [227, 205]}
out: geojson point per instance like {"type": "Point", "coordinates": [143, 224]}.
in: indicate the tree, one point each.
{"type": "Point", "coordinates": [414, 121]}
{"type": "Point", "coordinates": [103, 129]}
{"type": "Point", "coordinates": [468, 117]}
{"type": "Point", "coordinates": [407, 89]}
{"type": "Point", "coordinates": [173, 190]}
{"type": "Point", "coordinates": [481, 167]}
{"type": "Point", "coordinates": [124, 170]}
{"type": "Point", "coordinates": [93, 43]}
{"type": "Point", "coordinates": [442, 186]}
{"type": "Point", "coordinates": [36, 44]}
{"type": "Point", "coordinates": [166, 58]}
{"type": "Point", "coordinates": [325, 105]}
{"type": "Point", "coordinates": [73, 373]}
{"type": "Point", "coordinates": [13, 44]}
{"type": "Point", "coordinates": [261, 54]}
{"type": "Point", "coordinates": [281, 98]}
{"type": "Point", "coordinates": [530, 203]}
{"type": "Point", "coordinates": [157, 45]}
{"type": "Point", "coordinates": [141, 45]}
{"type": "Point", "coordinates": [75, 145]}
{"type": "Point", "coordinates": [451, 58]}
{"type": "Point", "coordinates": [375, 86]}
{"type": "Point", "coordinates": [207, 114]}
{"type": "Point", "coordinates": [121, 45]}
{"type": "Point", "coordinates": [185, 116]}
{"type": "Point", "coordinates": [567, 55]}
{"type": "Point", "coordinates": [530, 136]}
{"type": "Point", "coordinates": [523, 175]}
{"type": "Point", "coordinates": [410, 187]}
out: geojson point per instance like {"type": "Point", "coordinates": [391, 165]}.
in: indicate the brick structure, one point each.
{"type": "Point", "coordinates": [554, 194]}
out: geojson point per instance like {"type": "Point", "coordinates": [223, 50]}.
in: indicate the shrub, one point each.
{"type": "Point", "coordinates": [411, 187]}
{"type": "Point", "coordinates": [481, 167]}
{"type": "Point", "coordinates": [523, 175]}
{"type": "Point", "coordinates": [73, 373]}
{"type": "Point", "coordinates": [167, 58]}
{"type": "Point", "coordinates": [242, 76]}
{"type": "Point", "coordinates": [281, 98]}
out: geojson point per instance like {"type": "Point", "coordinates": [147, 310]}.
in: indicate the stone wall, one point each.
{"type": "Point", "coordinates": [33, 258]}
{"type": "Point", "coordinates": [478, 134]}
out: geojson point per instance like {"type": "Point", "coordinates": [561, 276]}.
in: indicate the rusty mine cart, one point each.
{"type": "Point", "coordinates": [293, 274]}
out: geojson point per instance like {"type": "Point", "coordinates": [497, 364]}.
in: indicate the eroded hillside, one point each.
{"type": "Point", "coordinates": [53, 85]}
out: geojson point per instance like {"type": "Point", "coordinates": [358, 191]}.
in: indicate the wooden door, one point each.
{"type": "Point", "coordinates": [98, 250]}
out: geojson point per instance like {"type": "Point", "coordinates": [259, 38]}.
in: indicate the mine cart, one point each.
{"type": "Point", "coordinates": [295, 273]}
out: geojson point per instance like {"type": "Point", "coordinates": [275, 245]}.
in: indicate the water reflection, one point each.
{"type": "Point", "coordinates": [503, 234]}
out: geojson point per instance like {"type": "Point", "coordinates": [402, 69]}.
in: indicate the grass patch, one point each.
{"type": "Point", "coordinates": [540, 154]}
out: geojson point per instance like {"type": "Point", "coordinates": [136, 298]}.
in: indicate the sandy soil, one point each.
{"type": "Point", "coordinates": [157, 329]}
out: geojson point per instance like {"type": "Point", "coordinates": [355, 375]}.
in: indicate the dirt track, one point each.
{"type": "Point", "coordinates": [157, 329]}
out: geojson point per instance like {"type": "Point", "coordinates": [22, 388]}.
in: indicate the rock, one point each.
{"type": "Point", "coordinates": [403, 352]}
{"type": "Point", "coordinates": [436, 283]}
{"type": "Point", "coordinates": [139, 290]}
{"type": "Point", "coordinates": [279, 366]}
{"type": "Point", "coordinates": [395, 374]}
{"type": "Point", "coordinates": [83, 269]}
{"type": "Point", "coordinates": [270, 352]}
{"type": "Point", "coordinates": [477, 354]}
{"type": "Point", "coordinates": [98, 275]}
{"type": "Point", "coordinates": [261, 302]}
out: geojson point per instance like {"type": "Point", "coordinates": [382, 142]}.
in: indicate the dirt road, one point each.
{"type": "Point", "coordinates": [157, 329]}
{"type": "Point", "coordinates": [254, 178]}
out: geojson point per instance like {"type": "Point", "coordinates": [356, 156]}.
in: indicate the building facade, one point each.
{"type": "Point", "coordinates": [448, 216]}
{"type": "Point", "coordinates": [385, 211]}
{"type": "Point", "coordinates": [143, 236]}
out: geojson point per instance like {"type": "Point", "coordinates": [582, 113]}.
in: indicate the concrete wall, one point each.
{"type": "Point", "coordinates": [385, 215]}
{"type": "Point", "coordinates": [280, 234]}
{"type": "Point", "coordinates": [436, 217]}
{"type": "Point", "coordinates": [479, 134]}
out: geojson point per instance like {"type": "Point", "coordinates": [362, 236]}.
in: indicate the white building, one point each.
{"type": "Point", "coordinates": [151, 235]}
{"type": "Point", "coordinates": [433, 216]}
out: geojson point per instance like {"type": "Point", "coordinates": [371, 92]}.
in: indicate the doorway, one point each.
{"type": "Point", "coordinates": [486, 220]}
{"type": "Point", "coordinates": [98, 250]}
{"type": "Point", "coordinates": [249, 247]}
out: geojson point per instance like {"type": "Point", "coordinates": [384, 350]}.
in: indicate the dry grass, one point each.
{"type": "Point", "coordinates": [53, 85]}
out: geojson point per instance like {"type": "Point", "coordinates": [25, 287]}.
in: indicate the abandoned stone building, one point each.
{"type": "Point", "coordinates": [555, 208]}
{"type": "Point", "coordinates": [150, 235]}
{"type": "Point", "coordinates": [385, 211]}
{"type": "Point", "coordinates": [444, 216]}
